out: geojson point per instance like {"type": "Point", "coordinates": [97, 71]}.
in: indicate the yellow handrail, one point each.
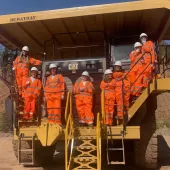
{"type": "Point", "coordinates": [67, 104]}
{"type": "Point", "coordinates": [66, 143]}
{"type": "Point", "coordinates": [98, 142]}
{"type": "Point", "coordinates": [103, 106]}
{"type": "Point", "coordinates": [68, 132]}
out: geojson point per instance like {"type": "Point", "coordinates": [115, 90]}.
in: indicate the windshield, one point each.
{"type": "Point", "coordinates": [121, 52]}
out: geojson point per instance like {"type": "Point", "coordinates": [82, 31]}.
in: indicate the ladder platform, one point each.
{"type": "Point", "coordinates": [115, 132]}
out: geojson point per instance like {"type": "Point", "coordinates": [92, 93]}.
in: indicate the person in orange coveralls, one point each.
{"type": "Point", "coordinates": [137, 67]}
{"type": "Point", "coordinates": [134, 61]}
{"type": "Point", "coordinates": [83, 90]}
{"type": "Point", "coordinates": [122, 91]}
{"type": "Point", "coordinates": [54, 93]}
{"type": "Point", "coordinates": [21, 66]}
{"type": "Point", "coordinates": [31, 90]}
{"type": "Point", "coordinates": [149, 57]}
{"type": "Point", "coordinates": [108, 85]}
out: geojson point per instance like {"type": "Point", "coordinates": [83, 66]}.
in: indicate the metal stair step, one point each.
{"type": "Point", "coordinates": [85, 137]}
{"type": "Point", "coordinates": [115, 149]}
{"type": "Point", "coordinates": [85, 147]}
{"type": "Point", "coordinates": [27, 163]}
{"type": "Point", "coordinates": [84, 168]}
{"type": "Point", "coordinates": [26, 150]}
{"type": "Point", "coordinates": [116, 163]}
{"type": "Point", "coordinates": [85, 159]}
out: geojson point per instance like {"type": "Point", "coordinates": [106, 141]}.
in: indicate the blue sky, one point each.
{"type": "Point", "coordinates": [18, 6]}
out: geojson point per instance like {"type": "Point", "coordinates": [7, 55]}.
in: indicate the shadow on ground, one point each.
{"type": "Point", "coordinates": [163, 152]}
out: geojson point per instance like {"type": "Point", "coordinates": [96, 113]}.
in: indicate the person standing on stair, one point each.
{"type": "Point", "coordinates": [122, 91]}
{"type": "Point", "coordinates": [31, 91]}
{"type": "Point", "coordinates": [21, 67]}
{"type": "Point", "coordinates": [137, 63]}
{"type": "Point", "coordinates": [108, 85]}
{"type": "Point", "coordinates": [134, 57]}
{"type": "Point", "coordinates": [150, 58]}
{"type": "Point", "coordinates": [83, 91]}
{"type": "Point", "coordinates": [54, 93]}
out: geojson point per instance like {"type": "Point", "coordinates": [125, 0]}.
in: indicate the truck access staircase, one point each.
{"type": "Point", "coordinates": [83, 144]}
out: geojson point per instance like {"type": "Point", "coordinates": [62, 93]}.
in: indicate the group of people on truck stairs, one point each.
{"type": "Point", "coordinates": [143, 60]}
{"type": "Point", "coordinates": [28, 87]}
{"type": "Point", "coordinates": [116, 93]}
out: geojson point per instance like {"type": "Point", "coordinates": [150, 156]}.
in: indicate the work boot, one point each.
{"type": "Point", "coordinates": [90, 124]}
{"type": "Point", "coordinates": [31, 116]}
{"type": "Point", "coordinates": [82, 124]}
{"type": "Point", "coordinates": [25, 116]}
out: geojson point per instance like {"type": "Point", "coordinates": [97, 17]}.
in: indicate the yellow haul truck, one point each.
{"type": "Point", "coordinates": [88, 38]}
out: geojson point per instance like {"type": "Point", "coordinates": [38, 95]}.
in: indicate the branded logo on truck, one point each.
{"type": "Point", "coordinates": [20, 19]}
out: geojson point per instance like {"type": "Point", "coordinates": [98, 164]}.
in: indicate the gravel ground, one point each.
{"type": "Point", "coordinates": [9, 162]}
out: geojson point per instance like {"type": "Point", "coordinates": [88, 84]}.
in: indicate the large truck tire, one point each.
{"type": "Point", "coordinates": [43, 155]}
{"type": "Point", "coordinates": [146, 149]}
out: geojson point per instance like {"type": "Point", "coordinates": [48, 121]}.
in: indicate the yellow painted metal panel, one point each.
{"type": "Point", "coordinates": [132, 132]}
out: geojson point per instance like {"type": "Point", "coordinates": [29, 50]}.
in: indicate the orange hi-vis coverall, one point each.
{"type": "Point", "coordinates": [134, 66]}
{"type": "Point", "coordinates": [138, 76]}
{"type": "Point", "coordinates": [84, 101]}
{"type": "Point", "coordinates": [21, 67]}
{"type": "Point", "coordinates": [31, 91]}
{"type": "Point", "coordinates": [53, 91]}
{"type": "Point", "coordinates": [110, 95]}
{"type": "Point", "coordinates": [150, 58]}
{"type": "Point", "coordinates": [122, 91]}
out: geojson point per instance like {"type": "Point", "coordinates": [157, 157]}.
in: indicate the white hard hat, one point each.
{"type": "Point", "coordinates": [108, 71]}
{"type": "Point", "coordinates": [34, 69]}
{"type": "Point", "coordinates": [137, 44]}
{"type": "Point", "coordinates": [118, 63]}
{"type": "Point", "coordinates": [52, 66]}
{"type": "Point", "coordinates": [143, 35]}
{"type": "Point", "coordinates": [25, 48]}
{"type": "Point", "coordinates": [85, 73]}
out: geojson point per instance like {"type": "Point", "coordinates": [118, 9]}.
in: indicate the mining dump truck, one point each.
{"type": "Point", "coordinates": [89, 38]}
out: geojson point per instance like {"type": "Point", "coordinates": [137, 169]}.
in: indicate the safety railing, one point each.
{"type": "Point", "coordinates": [164, 61]}
{"type": "Point", "coordinates": [98, 141]}
{"type": "Point", "coordinates": [69, 140]}
{"type": "Point", "coordinates": [67, 110]}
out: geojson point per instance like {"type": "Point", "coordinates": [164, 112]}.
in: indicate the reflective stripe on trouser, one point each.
{"type": "Point", "coordinates": [19, 84]}
{"type": "Point", "coordinates": [109, 110]}
{"type": "Point", "coordinates": [147, 76]}
{"type": "Point", "coordinates": [137, 87]}
{"type": "Point", "coordinates": [120, 109]}
{"type": "Point", "coordinates": [29, 104]}
{"type": "Point", "coordinates": [84, 109]}
{"type": "Point", "coordinates": [54, 111]}
{"type": "Point", "coordinates": [19, 80]}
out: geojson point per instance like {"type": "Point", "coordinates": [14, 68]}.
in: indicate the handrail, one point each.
{"type": "Point", "coordinates": [164, 61]}
{"type": "Point", "coordinates": [98, 142]}
{"type": "Point", "coordinates": [103, 106]}
{"type": "Point", "coordinates": [68, 135]}
{"type": "Point", "coordinates": [67, 105]}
